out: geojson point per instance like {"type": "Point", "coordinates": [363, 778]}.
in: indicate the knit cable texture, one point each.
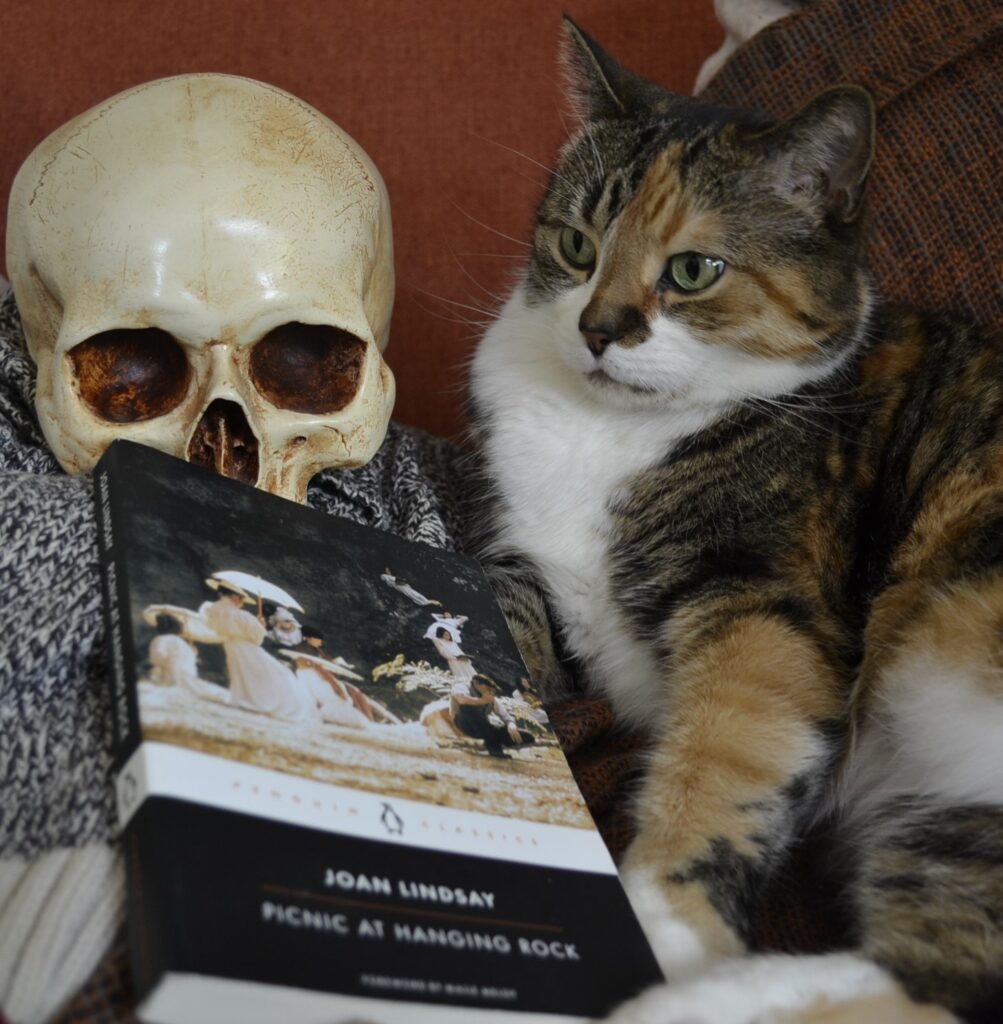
{"type": "Point", "coordinates": [59, 911]}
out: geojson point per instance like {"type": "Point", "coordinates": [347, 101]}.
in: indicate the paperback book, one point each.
{"type": "Point", "coordinates": [340, 797]}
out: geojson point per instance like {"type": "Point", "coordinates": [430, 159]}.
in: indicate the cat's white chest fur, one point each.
{"type": "Point", "coordinates": [558, 457]}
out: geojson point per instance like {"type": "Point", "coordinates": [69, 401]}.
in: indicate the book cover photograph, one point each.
{"type": "Point", "coordinates": [329, 749]}
{"type": "Point", "coordinates": [344, 655]}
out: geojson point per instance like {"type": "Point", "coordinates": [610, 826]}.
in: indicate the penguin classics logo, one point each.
{"type": "Point", "coordinates": [392, 821]}
{"type": "Point", "coordinates": [128, 791]}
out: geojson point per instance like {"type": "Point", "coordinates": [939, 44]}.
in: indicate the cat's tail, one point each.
{"type": "Point", "coordinates": [928, 892]}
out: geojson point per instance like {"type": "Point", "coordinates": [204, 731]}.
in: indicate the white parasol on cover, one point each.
{"type": "Point", "coordinates": [337, 667]}
{"type": "Point", "coordinates": [255, 586]}
{"type": "Point", "coordinates": [193, 626]}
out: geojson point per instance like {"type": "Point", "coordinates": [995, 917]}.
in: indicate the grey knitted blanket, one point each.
{"type": "Point", "coordinates": [55, 725]}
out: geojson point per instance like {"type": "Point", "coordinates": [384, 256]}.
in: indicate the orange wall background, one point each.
{"type": "Point", "coordinates": [444, 95]}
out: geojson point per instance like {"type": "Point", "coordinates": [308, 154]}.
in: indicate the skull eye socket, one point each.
{"type": "Point", "coordinates": [311, 368]}
{"type": "Point", "coordinates": [130, 375]}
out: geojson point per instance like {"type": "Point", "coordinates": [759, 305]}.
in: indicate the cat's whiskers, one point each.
{"type": "Point", "coordinates": [544, 186]}
{"type": "Point", "coordinates": [487, 227]}
{"type": "Point", "coordinates": [599, 165]}
{"type": "Point", "coordinates": [458, 386]}
{"type": "Point", "coordinates": [569, 132]}
{"type": "Point", "coordinates": [494, 255]}
{"type": "Point", "coordinates": [560, 113]}
{"type": "Point", "coordinates": [463, 321]}
{"type": "Point", "coordinates": [815, 425]}
{"type": "Point", "coordinates": [483, 310]}
{"type": "Point", "coordinates": [481, 325]}
{"type": "Point", "coordinates": [554, 177]}
{"type": "Point", "coordinates": [795, 401]}
{"type": "Point", "coordinates": [797, 407]}
{"type": "Point", "coordinates": [569, 198]}
{"type": "Point", "coordinates": [551, 172]}
{"type": "Point", "coordinates": [771, 405]}
{"type": "Point", "coordinates": [499, 299]}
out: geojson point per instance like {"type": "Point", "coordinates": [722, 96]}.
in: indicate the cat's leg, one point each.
{"type": "Point", "coordinates": [924, 799]}
{"type": "Point", "coordinates": [835, 988]}
{"type": "Point", "coordinates": [742, 758]}
{"type": "Point", "coordinates": [524, 605]}
{"type": "Point", "coordinates": [516, 583]}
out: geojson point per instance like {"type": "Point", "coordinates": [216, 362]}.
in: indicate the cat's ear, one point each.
{"type": "Point", "coordinates": [823, 153]}
{"type": "Point", "coordinates": [598, 87]}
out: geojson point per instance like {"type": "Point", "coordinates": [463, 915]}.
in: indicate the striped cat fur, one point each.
{"type": "Point", "coordinates": [763, 512]}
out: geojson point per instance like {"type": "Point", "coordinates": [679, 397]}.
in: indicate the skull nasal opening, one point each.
{"type": "Point", "coordinates": [223, 441]}
{"type": "Point", "coordinates": [308, 368]}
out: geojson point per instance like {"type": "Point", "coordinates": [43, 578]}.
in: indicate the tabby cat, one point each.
{"type": "Point", "coordinates": [763, 513]}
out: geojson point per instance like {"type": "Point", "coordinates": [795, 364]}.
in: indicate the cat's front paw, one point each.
{"type": "Point", "coordinates": [838, 988]}
{"type": "Point", "coordinates": [547, 675]}
{"type": "Point", "coordinates": [680, 951]}
{"type": "Point", "coordinates": [683, 927]}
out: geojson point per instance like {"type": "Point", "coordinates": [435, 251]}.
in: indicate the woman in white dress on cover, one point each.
{"type": "Point", "coordinates": [173, 661]}
{"type": "Point", "coordinates": [256, 678]}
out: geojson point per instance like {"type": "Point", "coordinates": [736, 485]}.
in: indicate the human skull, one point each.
{"type": "Point", "coordinates": [204, 264]}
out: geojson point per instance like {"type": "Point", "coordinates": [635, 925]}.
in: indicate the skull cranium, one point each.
{"type": "Point", "coordinates": [204, 264]}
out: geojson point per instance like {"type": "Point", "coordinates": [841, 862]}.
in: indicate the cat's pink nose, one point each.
{"type": "Point", "coordinates": [596, 341]}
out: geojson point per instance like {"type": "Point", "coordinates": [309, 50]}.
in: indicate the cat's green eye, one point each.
{"type": "Point", "coordinates": [577, 248]}
{"type": "Point", "coordinates": [692, 271]}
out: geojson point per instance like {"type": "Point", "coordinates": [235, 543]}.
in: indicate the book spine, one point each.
{"type": "Point", "coordinates": [118, 628]}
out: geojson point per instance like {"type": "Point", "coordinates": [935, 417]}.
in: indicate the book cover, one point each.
{"type": "Point", "coordinates": [340, 797]}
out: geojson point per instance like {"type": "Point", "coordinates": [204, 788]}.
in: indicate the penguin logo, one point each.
{"type": "Point", "coordinates": [128, 791]}
{"type": "Point", "coordinates": [392, 821]}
